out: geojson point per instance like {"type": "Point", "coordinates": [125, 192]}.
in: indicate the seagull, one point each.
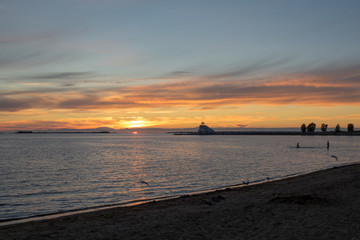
{"type": "Point", "coordinates": [246, 183]}
{"type": "Point", "coordinates": [143, 182]}
{"type": "Point", "coordinates": [335, 157]}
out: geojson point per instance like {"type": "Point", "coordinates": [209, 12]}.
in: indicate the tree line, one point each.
{"type": "Point", "coordinates": [312, 126]}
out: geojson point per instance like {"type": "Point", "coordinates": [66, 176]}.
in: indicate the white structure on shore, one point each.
{"type": "Point", "coordinates": [203, 129]}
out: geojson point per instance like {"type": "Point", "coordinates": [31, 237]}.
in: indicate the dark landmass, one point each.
{"type": "Point", "coordinates": [57, 132]}
{"type": "Point", "coordinates": [24, 131]}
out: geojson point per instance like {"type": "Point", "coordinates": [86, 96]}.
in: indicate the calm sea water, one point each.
{"type": "Point", "coordinates": [49, 173]}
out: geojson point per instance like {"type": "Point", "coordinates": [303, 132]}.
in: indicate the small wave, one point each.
{"type": "Point", "coordinates": [308, 147]}
{"type": "Point", "coordinates": [43, 193]}
{"type": "Point", "coordinates": [149, 193]}
{"type": "Point", "coordinates": [63, 169]}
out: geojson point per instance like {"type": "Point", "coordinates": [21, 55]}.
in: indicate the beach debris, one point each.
{"type": "Point", "coordinates": [143, 182]}
{"type": "Point", "coordinates": [333, 156]}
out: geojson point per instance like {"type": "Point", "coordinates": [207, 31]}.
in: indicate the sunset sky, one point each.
{"type": "Point", "coordinates": [174, 64]}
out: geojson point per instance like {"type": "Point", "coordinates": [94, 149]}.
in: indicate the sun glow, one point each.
{"type": "Point", "coordinates": [137, 124]}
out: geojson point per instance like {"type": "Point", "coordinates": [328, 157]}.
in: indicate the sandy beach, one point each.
{"type": "Point", "coordinates": [319, 205]}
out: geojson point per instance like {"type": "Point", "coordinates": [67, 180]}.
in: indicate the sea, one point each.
{"type": "Point", "coordinates": [43, 174]}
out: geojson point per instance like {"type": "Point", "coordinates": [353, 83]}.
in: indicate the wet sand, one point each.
{"type": "Point", "coordinates": [319, 205]}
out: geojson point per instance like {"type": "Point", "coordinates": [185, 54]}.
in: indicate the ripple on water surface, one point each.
{"type": "Point", "coordinates": [46, 173]}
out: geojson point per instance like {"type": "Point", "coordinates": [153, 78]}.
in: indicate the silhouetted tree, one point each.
{"type": "Point", "coordinates": [324, 127]}
{"type": "Point", "coordinates": [303, 128]}
{"type": "Point", "coordinates": [311, 127]}
{"type": "Point", "coordinates": [350, 127]}
{"type": "Point", "coordinates": [337, 128]}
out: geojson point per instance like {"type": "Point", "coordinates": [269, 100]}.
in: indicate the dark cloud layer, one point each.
{"type": "Point", "coordinates": [61, 75]}
{"type": "Point", "coordinates": [252, 68]}
{"type": "Point", "coordinates": [341, 87]}
{"type": "Point", "coordinates": [17, 104]}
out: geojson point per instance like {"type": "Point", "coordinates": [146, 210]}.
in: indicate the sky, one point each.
{"type": "Point", "coordinates": [83, 64]}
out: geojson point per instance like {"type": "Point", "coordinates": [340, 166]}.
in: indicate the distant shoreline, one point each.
{"type": "Point", "coordinates": [332, 133]}
{"type": "Point", "coordinates": [254, 133]}
{"type": "Point", "coordinates": [31, 132]}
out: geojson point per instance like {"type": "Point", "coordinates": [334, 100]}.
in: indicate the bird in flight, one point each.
{"type": "Point", "coordinates": [335, 157]}
{"type": "Point", "coordinates": [143, 182]}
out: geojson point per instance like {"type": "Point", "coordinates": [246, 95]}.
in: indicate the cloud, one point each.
{"type": "Point", "coordinates": [7, 60]}
{"type": "Point", "coordinates": [248, 69]}
{"type": "Point", "coordinates": [178, 73]}
{"type": "Point", "coordinates": [253, 68]}
{"type": "Point", "coordinates": [46, 82]}
{"type": "Point", "coordinates": [61, 75]}
{"type": "Point", "coordinates": [32, 49]}
{"type": "Point", "coordinates": [67, 123]}
{"type": "Point", "coordinates": [23, 51]}
{"type": "Point", "coordinates": [241, 125]}
{"type": "Point", "coordinates": [26, 38]}
{"type": "Point", "coordinates": [24, 59]}
{"type": "Point", "coordinates": [329, 75]}
{"type": "Point", "coordinates": [10, 104]}
{"type": "Point", "coordinates": [336, 87]}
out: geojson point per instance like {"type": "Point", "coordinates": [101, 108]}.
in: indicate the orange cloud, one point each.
{"type": "Point", "coordinates": [192, 94]}
{"type": "Point", "coordinates": [316, 88]}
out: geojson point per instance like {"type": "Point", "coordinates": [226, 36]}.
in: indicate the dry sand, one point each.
{"type": "Point", "coordinates": [319, 205]}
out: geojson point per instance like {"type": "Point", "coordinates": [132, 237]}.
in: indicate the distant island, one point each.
{"type": "Point", "coordinates": [27, 132]}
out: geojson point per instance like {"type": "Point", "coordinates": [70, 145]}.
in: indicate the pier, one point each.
{"type": "Point", "coordinates": [287, 133]}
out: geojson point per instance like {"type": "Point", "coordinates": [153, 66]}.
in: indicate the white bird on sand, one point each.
{"type": "Point", "coordinates": [143, 182]}
{"type": "Point", "coordinates": [335, 157]}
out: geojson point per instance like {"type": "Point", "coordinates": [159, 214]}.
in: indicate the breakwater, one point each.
{"type": "Point", "coordinates": [287, 133]}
